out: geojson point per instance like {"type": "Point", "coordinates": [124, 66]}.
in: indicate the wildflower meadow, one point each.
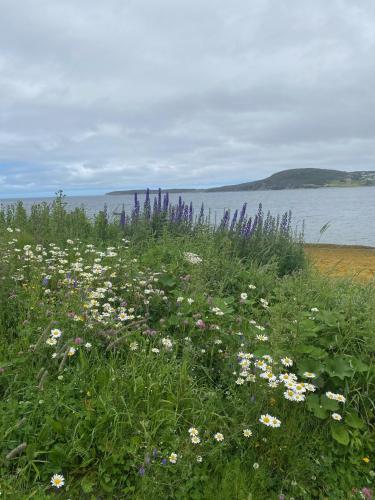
{"type": "Point", "coordinates": [153, 355]}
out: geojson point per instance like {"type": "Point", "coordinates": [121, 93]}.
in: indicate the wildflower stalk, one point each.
{"type": "Point", "coordinates": [42, 337]}
{"type": "Point", "coordinates": [63, 361]}
{"type": "Point", "coordinates": [16, 451]}
{"type": "Point", "coordinates": [42, 380]}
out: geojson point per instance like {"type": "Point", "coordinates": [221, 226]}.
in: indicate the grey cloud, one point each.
{"type": "Point", "coordinates": [104, 95]}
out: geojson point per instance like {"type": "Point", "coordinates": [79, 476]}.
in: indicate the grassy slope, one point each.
{"type": "Point", "coordinates": [108, 413]}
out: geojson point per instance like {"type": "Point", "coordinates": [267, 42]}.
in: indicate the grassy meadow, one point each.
{"type": "Point", "coordinates": [157, 357]}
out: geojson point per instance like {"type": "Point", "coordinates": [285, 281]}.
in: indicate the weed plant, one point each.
{"type": "Point", "coordinates": [158, 359]}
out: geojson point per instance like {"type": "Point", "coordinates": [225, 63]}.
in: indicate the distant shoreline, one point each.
{"type": "Point", "coordinates": [294, 178]}
{"type": "Point", "coordinates": [214, 190]}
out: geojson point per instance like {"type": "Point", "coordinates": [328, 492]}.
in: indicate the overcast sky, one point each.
{"type": "Point", "coordinates": [98, 95]}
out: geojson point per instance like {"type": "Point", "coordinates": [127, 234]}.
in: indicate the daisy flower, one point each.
{"type": "Point", "coordinates": [71, 351]}
{"type": "Point", "coordinates": [57, 480]}
{"type": "Point", "coordinates": [336, 416]}
{"type": "Point", "coordinates": [51, 341]}
{"type": "Point", "coordinates": [247, 433]}
{"type": "Point", "coordinates": [309, 375]}
{"type": "Point", "coordinates": [265, 419]}
{"type": "Point", "coordinates": [172, 458]}
{"type": "Point", "coordinates": [193, 431]}
{"type": "Point", "coordinates": [286, 361]}
{"type": "Point", "coordinates": [219, 437]}
{"type": "Point", "coordinates": [56, 333]}
{"type": "Point", "coordinates": [275, 422]}
{"type": "Point", "coordinates": [195, 439]}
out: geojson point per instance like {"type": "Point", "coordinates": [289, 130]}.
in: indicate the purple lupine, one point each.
{"type": "Point", "coordinates": [136, 209]}
{"type": "Point", "coordinates": [122, 217]}
{"type": "Point", "coordinates": [234, 220]}
{"type": "Point", "coordinates": [45, 281]}
{"type": "Point", "coordinates": [142, 471]}
{"type": "Point", "coordinates": [186, 213]}
{"type": "Point", "coordinates": [159, 200]}
{"type": "Point", "coordinates": [247, 229]}
{"type": "Point", "coordinates": [256, 223]}
{"type": "Point", "coordinates": [242, 215]}
{"type": "Point", "coordinates": [166, 202]}
{"type": "Point", "coordinates": [191, 212]}
{"type": "Point", "coordinates": [224, 221]}
{"type": "Point", "coordinates": [147, 205]}
{"type": "Point", "coordinates": [155, 208]}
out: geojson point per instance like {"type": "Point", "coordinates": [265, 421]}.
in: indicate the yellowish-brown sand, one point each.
{"type": "Point", "coordinates": [339, 261]}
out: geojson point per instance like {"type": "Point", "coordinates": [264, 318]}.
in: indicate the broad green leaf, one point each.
{"type": "Point", "coordinates": [353, 420]}
{"type": "Point", "coordinates": [329, 404]}
{"type": "Point", "coordinates": [314, 352]}
{"type": "Point", "coordinates": [313, 404]}
{"type": "Point", "coordinates": [339, 367]}
{"type": "Point", "coordinates": [358, 365]}
{"type": "Point", "coordinates": [340, 434]}
{"type": "Point", "coordinates": [310, 365]}
{"type": "Point", "coordinates": [320, 413]}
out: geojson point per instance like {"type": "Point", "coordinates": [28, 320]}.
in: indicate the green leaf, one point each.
{"type": "Point", "coordinates": [314, 405]}
{"type": "Point", "coordinates": [310, 365]}
{"type": "Point", "coordinates": [167, 281]}
{"type": "Point", "coordinates": [339, 367]}
{"type": "Point", "coordinates": [314, 352]}
{"type": "Point", "coordinates": [312, 401]}
{"type": "Point", "coordinates": [358, 365]}
{"type": "Point", "coordinates": [353, 420]}
{"type": "Point", "coordinates": [340, 434]}
{"type": "Point", "coordinates": [329, 404]}
{"type": "Point", "coordinates": [307, 328]}
{"type": "Point", "coordinates": [88, 483]}
{"type": "Point", "coordinates": [56, 425]}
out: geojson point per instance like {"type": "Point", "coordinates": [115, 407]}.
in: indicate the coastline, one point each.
{"type": "Point", "coordinates": [352, 261]}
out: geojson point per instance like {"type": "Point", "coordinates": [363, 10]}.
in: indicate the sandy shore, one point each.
{"type": "Point", "coordinates": [343, 260]}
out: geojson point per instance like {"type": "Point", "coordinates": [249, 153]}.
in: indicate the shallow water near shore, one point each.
{"type": "Point", "coordinates": [349, 212]}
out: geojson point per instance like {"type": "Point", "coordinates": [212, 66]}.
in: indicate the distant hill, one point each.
{"type": "Point", "coordinates": [304, 178]}
{"type": "Point", "coordinates": [296, 178]}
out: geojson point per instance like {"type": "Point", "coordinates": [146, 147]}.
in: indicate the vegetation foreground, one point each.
{"type": "Point", "coordinates": [160, 358]}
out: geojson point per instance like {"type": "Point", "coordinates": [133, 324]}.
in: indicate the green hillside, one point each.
{"type": "Point", "coordinates": [296, 178]}
{"type": "Point", "coordinates": [305, 178]}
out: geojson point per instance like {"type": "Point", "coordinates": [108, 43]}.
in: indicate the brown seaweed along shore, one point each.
{"type": "Point", "coordinates": [351, 261]}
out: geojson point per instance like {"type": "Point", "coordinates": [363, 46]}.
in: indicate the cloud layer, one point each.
{"type": "Point", "coordinates": [120, 94]}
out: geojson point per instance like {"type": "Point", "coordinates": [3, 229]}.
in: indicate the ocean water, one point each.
{"type": "Point", "coordinates": [349, 212]}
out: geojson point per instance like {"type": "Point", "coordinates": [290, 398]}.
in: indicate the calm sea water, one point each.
{"type": "Point", "coordinates": [349, 212]}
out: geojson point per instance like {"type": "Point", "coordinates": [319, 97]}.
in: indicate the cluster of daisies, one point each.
{"type": "Point", "coordinates": [263, 367]}
{"type": "Point", "coordinates": [56, 334]}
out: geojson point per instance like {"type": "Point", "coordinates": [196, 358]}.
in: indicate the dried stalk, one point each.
{"type": "Point", "coordinates": [16, 451]}
{"type": "Point", "coordinates": [42, 380]}
{"type": "Point", "coordinates": [63, 361]}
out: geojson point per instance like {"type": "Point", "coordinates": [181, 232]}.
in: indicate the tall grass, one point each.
{"type": "Point", "coordinates": [260, 238]}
